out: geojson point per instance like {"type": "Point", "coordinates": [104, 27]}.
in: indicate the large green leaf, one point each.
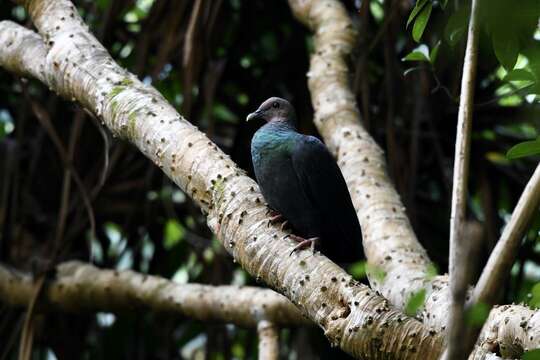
{"type": "Point", "coordinates": [533, 54]}
{"type": "Point", "coordinates": [456, 26]}
{"type": "Point", "coordinates": [421, 22]}
{"type": "Point", "coordinates": [520, 75]}
{"type": "Point", "coordinates": [527, 148]}
{"type": "Point", "coordinates": [417, 8]}
{"type": "Point", "coordinates": [506, 47]}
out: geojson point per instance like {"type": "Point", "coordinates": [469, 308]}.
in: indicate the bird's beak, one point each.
{"type": "Point", "coordinates": [254, 115]}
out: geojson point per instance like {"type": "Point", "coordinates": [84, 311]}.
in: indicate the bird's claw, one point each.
{"type": "Point", "coordinates": [303, 243]}
{"type": "Point", "coordinates": [275, 218]}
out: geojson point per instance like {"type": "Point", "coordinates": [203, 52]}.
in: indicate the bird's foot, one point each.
{"type": "Point", "coordinates": [303, 243]}
{"type": "Point", "coordinates": [275, 218]}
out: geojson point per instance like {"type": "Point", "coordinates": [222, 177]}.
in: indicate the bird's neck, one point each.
{"type": "Point", "coordinates": [280, 124]}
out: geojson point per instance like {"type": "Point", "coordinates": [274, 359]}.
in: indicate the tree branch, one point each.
{"type": "Point", "coordinates": [268, 340]}
{"type": "Point", "coordinates": [24, 51]}
{"type": "Point", "coordinates": [81, 287]}
{"type": "Point", "coordinates": [388, 238]}
{"type": "Point", "coordinates": [457, 348]}
{"type": "Point", "coordinates": [352, 316]}
{"type": "Point", "coordinates": [389, 241]}
{"type": "Point", "coordinates": [504, 254]}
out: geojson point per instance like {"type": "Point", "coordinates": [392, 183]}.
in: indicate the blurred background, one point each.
{"type": "Point", "coordinates": [215, 61]}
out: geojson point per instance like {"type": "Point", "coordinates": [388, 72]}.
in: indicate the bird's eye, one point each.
{"type": "Point", "coordinates": [275, 105]}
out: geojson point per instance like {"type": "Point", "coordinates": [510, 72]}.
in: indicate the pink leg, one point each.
{"type": "Point", "coordinates": [274, 217]}
{"type": "Point", "coordinates": [277, 217]}
{"type": "Point", "coordinates": [303, 243]}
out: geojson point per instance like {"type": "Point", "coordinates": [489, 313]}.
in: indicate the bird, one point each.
{"type": "Point", "coordinates": [302, 184]}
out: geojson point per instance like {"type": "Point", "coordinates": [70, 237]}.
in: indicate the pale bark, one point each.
{"type": "Point", "coordinates": [268, 340]}
{"type": "Point", "coordinates": [512, 329]}
{"type": "Point", "coordinates": [458, 346]}
{"type": "Point", "coordinates": [20, 50]}
{"type": "Point", "coordinates": [388, 238]}
{"type": "Point", "coordinates": [504, 254]}
{"type": "Point", "coordinates": [352, 316]}
{"type": "Point", "coordinates": [389, 241]}
{"type": "Point", "coordinates": [80, 287]}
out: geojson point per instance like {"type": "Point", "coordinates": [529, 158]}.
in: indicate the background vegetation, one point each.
{"type": "Point", "coordinates": [406, 80]}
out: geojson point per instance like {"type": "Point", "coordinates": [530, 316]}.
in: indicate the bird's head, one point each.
{"type": "Point", "coordinates": [273, 110]}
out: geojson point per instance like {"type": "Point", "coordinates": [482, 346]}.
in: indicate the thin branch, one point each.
{"type": "Point", "coordinates": [457, 348]}
{"type": "Point", "coordinates": [268, 340]}
{"type": "Point", "coordinates": [503, 255]}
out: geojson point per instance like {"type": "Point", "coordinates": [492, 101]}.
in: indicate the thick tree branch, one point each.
{"type": "Point", "coordinates": [388, 238]}
{"type": "Point", "coordinates": [268, 340]}
{"type": "Point", "coordinates": [81, 287]}
{"type": "Point", "coordinates": [353, 317]}
{"type": "Point", "coordinates": [21, 49]}
{"type": "Point", "coordinates": [511, 329]}
{"type": "Point", "coordinates": [389, 241]}
{"type": "Point", "coordinates": [457, 348]}
{"type": "Point", "coordinates": [504, 254]}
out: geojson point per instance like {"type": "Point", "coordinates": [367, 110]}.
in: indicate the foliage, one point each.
{"type": "Point", "coordinates": [415, 303]}
{"type": "Point", "coordinates": [477, 314]}
{"type": "Point", "coordinates": [532, 355]}
{"type": "Point", "coordinates": [246, 51]}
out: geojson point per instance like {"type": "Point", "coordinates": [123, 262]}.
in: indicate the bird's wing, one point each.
{"type": "Point", "coordinates": [326, 189]}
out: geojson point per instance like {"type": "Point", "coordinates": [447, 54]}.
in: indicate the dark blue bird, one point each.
{"type": "Point", "coordinates": [301, 181]}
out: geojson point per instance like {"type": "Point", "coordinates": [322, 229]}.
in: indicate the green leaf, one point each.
{"type": "Point", "coordinates": [520, 75]}
{"type": "Point", "coordinates": [174, 233]}
{"type": "Point", "coordinates": [456, 26]}
{"type": "Point", "coordinates": [533, 55]}
{"type": "Point", "coordinates": [415, 302]}
{"type": "Point", "coordinates": [420, 53]}
{"type": "Point", "coordinates": [531, 355]}
{"type": "Point", "coordinates": [421, 22]}
{"type": "Point", "coordinates": [419, 6]}
{"type": "Point", "coordinates": [434, 53]}
{"type": "Point", "coordinates": [506, 47]}
{"type": "Point", "coordinates": [415, 56]}
{"type": "Point", "coordinates": [535, 296]}
{"type": "Point", "coordinates": [358, 270]}
{"type": "Point", "coordinates": [527, 148]}
{"type": "Point", "coordinates": [497, 158]}
{"type": "Point", "coordinates": [432, 271]}
{"type": "Point", "coordinates": [375, 272]}
{"type": "Point", "coordinates": [222, 113]}
{"type": "Point", "coordinates": [443, 4]}
{"type": "Point", "coordinates": [477, 314]}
